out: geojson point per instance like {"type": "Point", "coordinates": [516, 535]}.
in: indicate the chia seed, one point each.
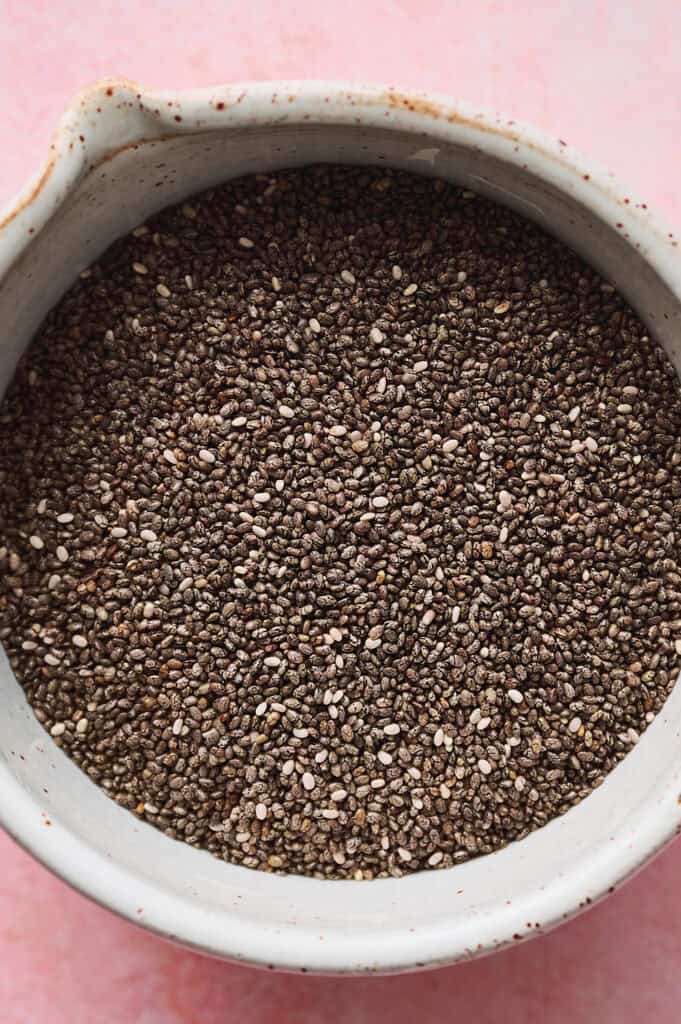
{"type": "Point", "coordinates": [339, 524]}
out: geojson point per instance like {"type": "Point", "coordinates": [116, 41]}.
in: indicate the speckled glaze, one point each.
{"type": "Point", "coordinates": [118, 155]}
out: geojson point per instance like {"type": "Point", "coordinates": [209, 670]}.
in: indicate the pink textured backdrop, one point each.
{"type": "Point", "coordinates": [606, 76]}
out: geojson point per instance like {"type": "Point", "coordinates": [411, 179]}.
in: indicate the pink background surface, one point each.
{"type": "Point", "coordinates": [606, 77]}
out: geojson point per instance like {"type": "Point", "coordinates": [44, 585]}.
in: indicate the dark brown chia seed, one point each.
{"type": "Point", "coordinates": [339, 514]}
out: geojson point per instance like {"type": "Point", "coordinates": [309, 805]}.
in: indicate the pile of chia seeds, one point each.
{"type": "Point", "coordinates": [340, 524]}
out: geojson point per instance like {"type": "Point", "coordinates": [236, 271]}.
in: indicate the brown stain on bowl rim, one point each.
{"type": "Point", "coordinates": [137, 144]}
{"type": "Point", "coordinates": [107, 88]}
{"type": "Point", "coordinates": [428, 108]}
{"type": "Point", "coordinates": [415, 104]}
{"type": "Point", "coordinates": [33, 194]}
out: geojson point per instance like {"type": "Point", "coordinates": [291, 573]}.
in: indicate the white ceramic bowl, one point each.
{"type": "Point", "coordinates": [120, 154]}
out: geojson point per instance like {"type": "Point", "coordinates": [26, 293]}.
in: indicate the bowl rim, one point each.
{"type": "Point", "coordinates": [161, 114]}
